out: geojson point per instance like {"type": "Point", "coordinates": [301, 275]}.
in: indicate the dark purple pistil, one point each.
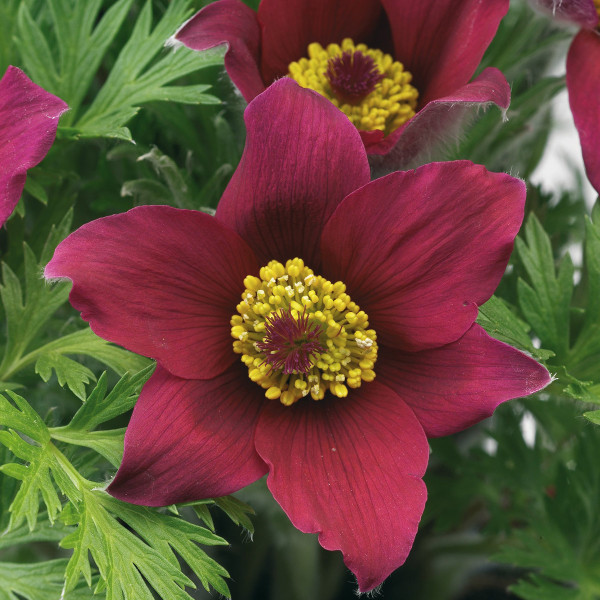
{"type": "Point", "coordinates": [291, 344]}
{"type": "Point", "coordinates": [352, 76]}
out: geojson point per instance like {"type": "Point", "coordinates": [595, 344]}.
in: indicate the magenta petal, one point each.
{"type": "Point", "coordinates": [441, 42]}
{"type": "Point", "coordinates": [233, 23]}
{"type": "Point", "coordinates": [349, 469]}
{"type": "Point", "coordinates": [458, 385]}
{"type": "Point", "coordinates": [419, 250]}
{"type": "Point", "coordinates": [438, 123]}
{"type": "Point", "coordinates": [160, 281]}
{"type": "Point", "coordinates": [28, 121]}
{"type": "Point", "coordinates": [583, 83]}
{"type": "Point", "coordinates": [302, 156]}
{"type": "Point", "coordinates": [289, 26]}
{"type": "Point", "coordinates": [581, 12]}
{"type": "Point", "coordinates": [190, 439]}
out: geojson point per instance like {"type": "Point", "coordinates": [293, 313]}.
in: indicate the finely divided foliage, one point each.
{"type": "Point", "coordinates": [132, 547]}
{"type": "Point", "coordinates": [140, 74]}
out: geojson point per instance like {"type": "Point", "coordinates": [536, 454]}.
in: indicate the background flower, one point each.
{"type": "Point", "coordinates": [440, 42]}
{"type": "Point", "coordinates": [28, 121]}
{"type": "Point", "coordinates": [164, 282]}
{"type": "Point", "coordinates": [583, 75]}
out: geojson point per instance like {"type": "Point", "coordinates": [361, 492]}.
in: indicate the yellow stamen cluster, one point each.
{"type": "Point", "coordinates": [350, 348]}
{"type": "Point", "coordinates": [597, 5]}
{"type": "Point", "coordinates": [389, 105]}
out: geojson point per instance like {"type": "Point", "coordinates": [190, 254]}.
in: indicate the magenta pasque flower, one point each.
{"type": "Point", "coordinates": [369, 288]}
{"type": "Point", "coordinates": [583, 75]}
{"type": "Point", "coordinates": [28, 121]}
{"type": "Point", "coordinates": [404, 81]}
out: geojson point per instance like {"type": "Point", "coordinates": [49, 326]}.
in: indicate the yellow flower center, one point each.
{"type": "Point", "coordinates": [300, 334]}
{"type": "Point", "coordinates": [597, 5]}
{"type": "Point", "coordinates": [371, 88]}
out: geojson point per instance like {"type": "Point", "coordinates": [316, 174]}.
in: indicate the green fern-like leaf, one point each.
{"type": "Point", "coordinates": [138, 76]}
{"type": "Point", "coordinates": [134, 548]}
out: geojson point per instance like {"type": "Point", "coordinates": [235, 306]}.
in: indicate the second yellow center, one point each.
{"type": "Point", "coordinates": [372, 89]}
{"type": "Point", "coordinates": [300, 334]}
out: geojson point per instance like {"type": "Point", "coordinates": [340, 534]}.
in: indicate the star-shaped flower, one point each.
{"type": "Point", "coordinates": [369, 288]}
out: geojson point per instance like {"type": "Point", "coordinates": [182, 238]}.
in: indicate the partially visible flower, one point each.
{"type": "Point", "coordinates": [351, 305]}
{"type": "Point", "coordinates": [583, 75]}
{"type": "Point", "coordinates": [583, 13]}
{"type": "Point", "coordinates": [399, 69]}
{"type": "Point", "coordinates": [28, 121]}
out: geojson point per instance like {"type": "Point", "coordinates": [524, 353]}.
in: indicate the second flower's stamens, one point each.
{"type": "Point", "coordinates": [372, 89]}
{"type": "Point", "coordinates": [352, 76]}
{"type": "Point", "coordinates": [299, 334]}
{"type": "Point", "coordinates": [597, 5]}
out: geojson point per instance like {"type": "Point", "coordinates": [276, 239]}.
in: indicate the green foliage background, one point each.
{"type": "Point", "coordinates": [503, 512]}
